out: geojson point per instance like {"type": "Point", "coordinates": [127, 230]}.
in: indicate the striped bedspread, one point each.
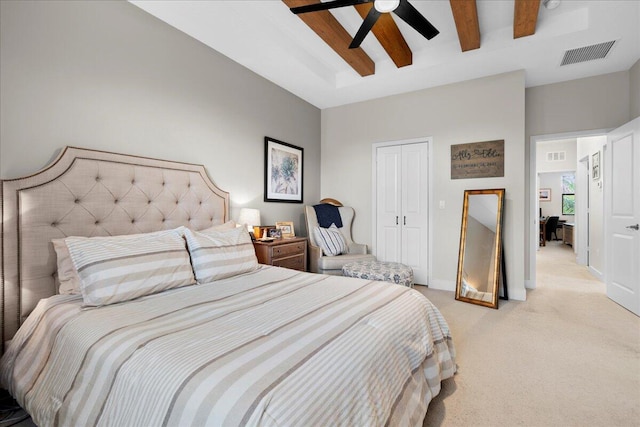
{"type": "Point", "coordinates": [271, 347]}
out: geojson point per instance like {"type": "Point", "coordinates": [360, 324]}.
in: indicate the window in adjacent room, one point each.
{"type": "Point", "coordinates": [568, 194]}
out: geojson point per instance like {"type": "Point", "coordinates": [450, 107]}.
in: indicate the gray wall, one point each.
{"type": "Point", "coordinates": [591, 103]}
{"type": "Point", "coordinates": [106, 75]}
{"type": "Point", "coordinates": [634, 81]}
{"type": "Point", "coordinates": [477, 110]}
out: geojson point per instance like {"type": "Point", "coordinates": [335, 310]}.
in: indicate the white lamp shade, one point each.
{"type": "Point", "coordinates": [249, 217]}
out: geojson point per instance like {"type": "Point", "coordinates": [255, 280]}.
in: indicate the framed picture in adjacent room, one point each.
{"type": "Point", "coordinates": [544, 194]}
{"type": "Point", "coordinates": [595, 166]}
{"type": "Point", "coordinates": [283, 171]}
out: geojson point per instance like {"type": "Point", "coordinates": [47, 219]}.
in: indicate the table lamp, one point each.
{"type": "Point", "coordinates": [250, 218]}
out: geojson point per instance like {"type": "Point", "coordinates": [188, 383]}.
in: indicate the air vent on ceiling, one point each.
{"type": "Point", "coordinates": [587, 53]}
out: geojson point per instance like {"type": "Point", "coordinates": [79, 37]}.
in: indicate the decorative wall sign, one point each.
{"type": "Point", "coordinates": [477, 160]}
{"type": "Point", "coordinates": [283, 171]}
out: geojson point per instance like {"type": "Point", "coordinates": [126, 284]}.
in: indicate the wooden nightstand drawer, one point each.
{"type": "Point", "coordinates": [289, 249]}
{"type": "Point", "coordinates": [287, 253]}
{"type": "Point", "coordinates": [294, 262]}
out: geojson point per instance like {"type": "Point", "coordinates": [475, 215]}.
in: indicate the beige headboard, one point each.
{"type": "Point", "coordinates": [91, 193]}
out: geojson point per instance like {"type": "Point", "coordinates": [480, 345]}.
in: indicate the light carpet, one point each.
{"type": "Point", "coordinates": [568, 356]}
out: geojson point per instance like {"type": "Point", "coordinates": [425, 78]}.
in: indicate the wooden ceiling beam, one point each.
{"type": "Point", "coordinates": [525, 17]}
{"type": "Point", "coordinates": [325, 25]}
{"type": "Point", "coordinates": [465, 15]}
{"type": "Point", "coordinates": [389, 36]}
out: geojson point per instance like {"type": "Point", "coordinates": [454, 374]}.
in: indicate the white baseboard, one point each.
{"type": "Point", "coordinates": [529, 284]}
{"type": "Point", "coordinates": [443, 285]}
{"type": "Point", "coordinates": [450, 285]}
{"type": "Point", "coordinates": [518, 294]}
{"type": "Point", "coordinates": [596, 273]}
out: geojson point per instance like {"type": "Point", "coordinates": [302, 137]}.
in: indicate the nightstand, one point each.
{"type": "Point", "coordinates": [288, 253]}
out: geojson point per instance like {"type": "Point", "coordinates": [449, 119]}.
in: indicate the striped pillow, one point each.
{"type": "Point", "coordinates": [121, 268]}
{"type": "Point", "coordinates": [330, 240]}
{"type": "Point", "coordinates": [220, 254]}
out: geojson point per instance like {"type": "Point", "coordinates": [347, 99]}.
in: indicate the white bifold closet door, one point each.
{"type": "Point", "coordinates": [402, 206]}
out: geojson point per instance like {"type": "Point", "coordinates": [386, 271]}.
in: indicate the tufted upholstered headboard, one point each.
{"type": "Point", "coordinates": [91, 193]}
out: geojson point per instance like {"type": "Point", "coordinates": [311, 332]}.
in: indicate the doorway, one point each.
{"type": "Point", "coordinates": [588, 218]}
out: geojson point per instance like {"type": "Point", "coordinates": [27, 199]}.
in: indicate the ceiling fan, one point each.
{"type": "Point", "coordinates": [402, 8]}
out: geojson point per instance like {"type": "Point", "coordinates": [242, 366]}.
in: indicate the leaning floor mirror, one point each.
{"type": "Point", "coordinates": [480, 261]}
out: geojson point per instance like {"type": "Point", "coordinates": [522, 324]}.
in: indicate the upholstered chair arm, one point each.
{"type": "Point", "coordinates": [357, 248]}
{"type": "Point", "coordinates": [314, 256]}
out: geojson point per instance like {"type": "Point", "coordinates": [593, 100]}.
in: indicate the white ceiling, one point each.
{"type": "Point", "coordinates": [264, 36]}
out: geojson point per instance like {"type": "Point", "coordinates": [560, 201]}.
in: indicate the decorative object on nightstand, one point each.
{"type": "Point", "coordinates": [250, 218]}
{"type": "Point", "coordinates": [275, 233]}
{"type": "Point", "coordinates": [287, 253]}
{"type": "Point", "coordinates": [286, 228]}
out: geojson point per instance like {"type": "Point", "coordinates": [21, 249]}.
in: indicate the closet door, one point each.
{"type": "Point", "coordinates": [402, 207]}
{"type": "Point", "coordinates": [415, 191]}
{"type": "Point", "coordinates": [388, 204]}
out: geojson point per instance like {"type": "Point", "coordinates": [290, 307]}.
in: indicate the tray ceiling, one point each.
{"type": "Point", "coordinates": [264, 36]}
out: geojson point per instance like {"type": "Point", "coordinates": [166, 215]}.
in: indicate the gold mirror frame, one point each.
{"type": "Point", "coordinates": [482, 294]}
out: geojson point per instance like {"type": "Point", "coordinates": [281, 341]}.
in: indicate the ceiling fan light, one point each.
{"type": "Point", "coordinates": [551, 4]}
{"type": "Point", "coordinates": [386, 6]}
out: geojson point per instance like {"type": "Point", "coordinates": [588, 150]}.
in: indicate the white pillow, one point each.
{"type": "Point", "coordinates": [217, 255]}
{"type": "Point", "coordinates": [120, 268]}
{"type": "Point", "coordinates": [67, 276]}
{"type": "Point", "coordinates": [330, 240]}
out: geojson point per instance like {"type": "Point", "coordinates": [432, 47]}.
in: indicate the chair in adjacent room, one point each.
{"type": "Point", "coordinates": [319, 262]}
{"type": "Point", "coordinates": [543, 231]}
{"type": "Point", "coordinates": [552, 224]}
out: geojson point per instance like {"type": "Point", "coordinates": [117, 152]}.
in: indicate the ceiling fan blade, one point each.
{"type": "Point", "coordinates": [411, 16]}
{"type": "Point", "coordinates": [327, 5]}
{"type": "Point", "coordinates": [364, 29]}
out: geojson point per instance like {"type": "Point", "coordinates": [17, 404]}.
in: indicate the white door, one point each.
{"type": "Point", "coordinates": [402, 207]}
{"type": "Point", "coordinates": [415, 185]}
{"type": "Point", "coordinates": [622, 215]}
{"type": "Point", "coordinates": [388, 204]}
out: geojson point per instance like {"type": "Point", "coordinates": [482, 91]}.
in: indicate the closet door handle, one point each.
{"type": "Point", "coordinates": [405, 221]}
{"type": "Point", "coordinates": [396, 220]}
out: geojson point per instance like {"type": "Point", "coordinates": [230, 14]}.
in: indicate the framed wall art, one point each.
{"type": "Point", "coordinates": [544, 194]}
{"type": "Point", "coordinates": [283, 166]}
{"type": "Point", "coordinates": [595, 166]}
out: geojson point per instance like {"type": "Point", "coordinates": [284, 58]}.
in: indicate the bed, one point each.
{"type": "Point", "coordinates": [228, 342]}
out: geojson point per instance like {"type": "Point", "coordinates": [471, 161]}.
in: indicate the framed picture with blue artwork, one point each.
{"type": "Point", "coordinates": [283, 166]}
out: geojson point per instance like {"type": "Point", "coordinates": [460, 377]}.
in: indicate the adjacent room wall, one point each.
{"type": "Point", "coordinates": [553, 207]}
{"type": "Point", "coordinates": [478, 110]}
{"type": "Point", "coordinates": [634, 82]}
{"type": "Point", "coordinates": [568, 146]}
{"type": "Point", "coordinates": [107, 75]}
{"type": "Point", "coordinates": [588, 147]}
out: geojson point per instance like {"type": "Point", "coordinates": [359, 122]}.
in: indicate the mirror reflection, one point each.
{"type": "Point", "coordinates": [479, 267]}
